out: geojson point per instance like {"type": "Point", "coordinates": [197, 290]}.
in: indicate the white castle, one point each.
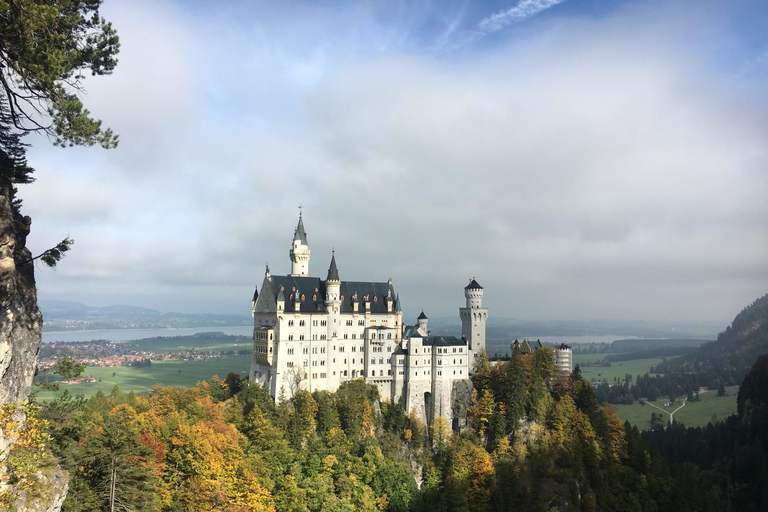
{"type": "Point", "coordinates": [315, 334]}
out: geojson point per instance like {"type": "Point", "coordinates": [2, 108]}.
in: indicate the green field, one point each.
{"type": "Point", "coordinates": [618, 369]}
{"type": "Point", "coordinates": [695, 414]}
{"type": "Point", "coordinates": [172, 372]}
{"type": "Point", "coordinates": [198, 342]}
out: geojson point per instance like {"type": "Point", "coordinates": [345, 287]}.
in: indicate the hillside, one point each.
{"type": "Point", "coordinates": [61, 315]}
{"type": "Point", "coordinates": [736, 349]}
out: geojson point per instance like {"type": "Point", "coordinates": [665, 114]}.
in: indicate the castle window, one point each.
{"type": "Point", "coordinates": [301, 323]}
{"type": "Point", "coordinates": [373, 360]}
{"type": "Point", "coordinates": [305, 350]}
{"type": "Point", "coordinates": [293, 288]}
{"type": "Point", "coordinates": [314, 350]}
{"type": "Point", "coordinates": [440, 361]}
{"type": "Point", "coordinates": [322, 375]}
{"type": "Point", "coordinates": [314, 363]}
{"type": "Point", "coordinates": [341, 298]}
{"type": "Point", "coordinates": [316, 290]}
{"type": "Point", "coordinates": [389, 372]}
{"type": "Point", "coordinates": [314, 297]}
{"type": "Point", "coordinates": [322, 362]}
{"type": "Point", "coordinates": [361, 322]}
{"type": "Point", "coordinates": [349, 322]}
{"type": "Point", "coordinates": [290, 337]}
{"type": "Point", "coordinates": [290, 351]}
{"type": "Point", "coordinates": [314, 375]}
{"type": "Point", "coordinates": [290, 323]}
{"type": "Point", "coordinates": [354, 336]}
{"type": "Point", "coordinates": [381, 373]}
{"type": "Point", "coordinates": [381, 360]}
{"type": "Point", "coordinates": [305, 363]}
{"type": "Point", "coordinates": [389, 348]}
{"type": "Point", "coordinates": [322, 350]}
{"type": "Point", "coordinates": [322, 337]}
{"type": "Point", "coordinates": [289, 364]}
{"type": "Point", "coordinates": [323, 323]}
{"type": "Point", "coordinates": [461, 350]}
{"type": "Point", "coordinates": [354, 348]}
{"type": "Point", "coordinates": [375, 298]}
{"type": "Point", "coordinates": [314, 337]}
{"type": "Point", "coordinates": [389, 335]}
{"type": "Point", "coordinates": [389, 360]}
{"type": "Point", "coordinates": [346, 336]}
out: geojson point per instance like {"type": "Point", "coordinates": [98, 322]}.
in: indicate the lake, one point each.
{"type": "Point", "coordinates": [138, 334]}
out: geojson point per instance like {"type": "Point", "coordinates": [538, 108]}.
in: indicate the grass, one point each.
{"type": "Point", "coordinates": [198, 342]}
{"type": "Point", "coordinates": [173, 372]}
{"type": "Point", "coordinates": [619, 369]}
{"type": "Point", "coordinates": [710, 407]}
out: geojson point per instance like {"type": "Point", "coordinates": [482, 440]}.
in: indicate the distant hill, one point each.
{"type": "Point", "coordinates": [508, 329]}
{"type": "Point", "coordinates": [59, 315]}
{"type": "Point", "coordinates": [735, 350]}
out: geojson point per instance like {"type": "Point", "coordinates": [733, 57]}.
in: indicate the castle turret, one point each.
{"type": "Point", "coordinates": [422, 320]}
{"type": "Point", "coordinates": [473, 317]}
{"type": "Point", "coordinates": [333, 283]}
{"type": "Point", "coordinates": [300, 251]}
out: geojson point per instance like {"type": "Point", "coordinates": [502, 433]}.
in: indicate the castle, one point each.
{"type": "Point", "coordinates": [315, 334]}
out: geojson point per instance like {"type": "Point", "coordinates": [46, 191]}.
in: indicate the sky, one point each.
{"type": "Point", "coordinates": [582, 159]}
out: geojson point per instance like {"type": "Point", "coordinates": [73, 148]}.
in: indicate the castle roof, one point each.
{"type": "Point", "coordinates": [314, 290]}
{"type": "Point", "coordinates": [333, 271]}
{"type": "Point", "coordinates": [443, 341]}
{"type": "Point", "coordinates": [300, 234]}
{"type": "Point", "coordinates": [422, 316]}
{"type": "Point", "coordinates": [473, 285]}
{"type": "Point", "coordinates": [255, 294]}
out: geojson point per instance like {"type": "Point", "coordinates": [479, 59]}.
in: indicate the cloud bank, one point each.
{"type": "Point", "coordinates": [598, 167]}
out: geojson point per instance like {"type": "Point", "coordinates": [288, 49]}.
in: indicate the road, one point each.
{"type": "Point", "coordinates": [671, 414]}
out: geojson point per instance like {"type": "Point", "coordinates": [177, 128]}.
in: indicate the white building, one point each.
{"type": "Point", "coordinates": [316, 334]}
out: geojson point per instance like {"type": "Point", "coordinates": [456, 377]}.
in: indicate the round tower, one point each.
{"type": "Point", "coordinates": [422, 320]}
{"type": "Point", "coordinates": [300, 251]}
{"type": "Point", "coordinates": [473, 317]}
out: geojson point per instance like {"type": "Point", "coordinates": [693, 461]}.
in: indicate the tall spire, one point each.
{"type": "Point", "coordinates": [333, 271]}
{"type": "Point", "coordinates": [300, 252]}
{"type": "Point", "coordinates": [300, 234]}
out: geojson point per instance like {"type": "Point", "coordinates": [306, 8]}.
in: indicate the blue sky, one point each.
{"type": "Point", "coordinates": [582, 159]}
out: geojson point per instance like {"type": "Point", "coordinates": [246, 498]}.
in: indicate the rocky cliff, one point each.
{"type": "Point", "coordinates": [20, 334]}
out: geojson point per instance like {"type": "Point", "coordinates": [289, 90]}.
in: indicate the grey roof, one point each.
{"type": "Point", "coordinates": [333, 271]}
{"type": "Point", "coordinates": [255, 293]}
{"type": "Point", "coordinates": [300, 234]}
{"type": "Point", "coordinates": [314, 291]}
{"type": "Point", "coordinates": [411, 330]}
{"type": "Point", "coordinates": [473, 285]}
{"type": "Point", "coordinates": [422, 316]}
{"type": "Point", "coordinates": [444, 341]}
{"type": "Point", "coordinates": [398, 308]}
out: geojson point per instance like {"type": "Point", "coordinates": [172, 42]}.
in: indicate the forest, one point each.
{"type": "Point", "coordinates": [533, 442]}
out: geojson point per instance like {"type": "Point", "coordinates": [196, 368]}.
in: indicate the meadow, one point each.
{"type": "Point", "coordinates": [617, 369]}
{"type": "Point", "coordinates": [709, 407]}
{"type": "Point", "coordinates": [172, 372]}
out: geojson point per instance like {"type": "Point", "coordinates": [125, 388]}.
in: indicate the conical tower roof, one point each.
{"type": "Point", "coordinates": [333, 270]}
{"type": "Point", "coordinates": [300, 234]}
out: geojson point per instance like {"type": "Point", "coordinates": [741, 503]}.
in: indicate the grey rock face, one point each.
{"type": "Point", "coordinates": [21, 327]}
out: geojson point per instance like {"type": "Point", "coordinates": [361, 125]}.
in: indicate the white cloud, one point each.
{"type": "Point", "coordinates": [522, 11]}
{"type": "Point", "coordinates": [598, 168]}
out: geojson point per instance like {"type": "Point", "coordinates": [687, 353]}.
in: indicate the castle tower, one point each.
{"type": "Point", "coordinates": [300, 251]}
{"type": "Point", "coordinates": [423, 323]}
{"type": "Point", "coordinates": [333, 284]}
{"type": "Point", "coordinates": [473, 317]}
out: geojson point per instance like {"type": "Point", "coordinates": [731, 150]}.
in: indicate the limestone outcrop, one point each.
{"type": "Point", "coordinates": [21, 325]}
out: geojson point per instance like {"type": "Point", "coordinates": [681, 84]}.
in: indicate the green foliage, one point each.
{"type": "Point", "coordinates": [68, 368]}
{"type": "Point", "coordinates": [45, 46]}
